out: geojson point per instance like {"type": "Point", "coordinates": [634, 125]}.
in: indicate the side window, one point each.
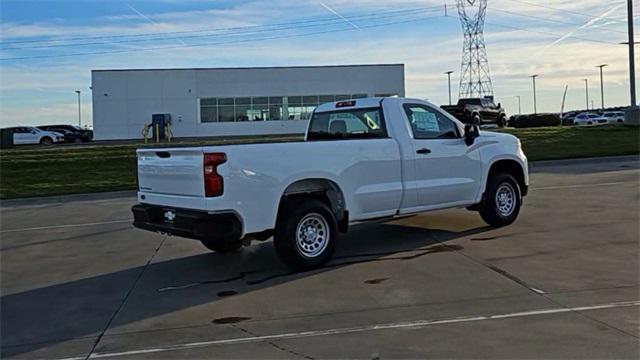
{"type": "Point", "coordinates": [427, 123]}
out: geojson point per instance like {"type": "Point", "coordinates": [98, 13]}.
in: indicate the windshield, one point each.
{"type": "Point", "coordinates": [470, 102]}
{"type": "Point", "coordinates": [347, 124]}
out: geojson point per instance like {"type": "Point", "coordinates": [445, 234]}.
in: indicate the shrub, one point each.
{"type": "Point", "coordinates": [534, 120]}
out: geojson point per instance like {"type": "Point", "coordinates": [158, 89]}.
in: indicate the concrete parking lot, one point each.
{"type": "Point", "coordinates": [79, 281]}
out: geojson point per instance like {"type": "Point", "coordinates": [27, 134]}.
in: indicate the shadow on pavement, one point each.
{"type": "Point", "coordinates": [54, 314]}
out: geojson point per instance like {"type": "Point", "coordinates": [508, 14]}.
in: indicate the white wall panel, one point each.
{"type": "Point", "coordinates": [124, 100]}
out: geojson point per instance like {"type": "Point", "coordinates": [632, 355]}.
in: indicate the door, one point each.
{"type": "Point", "coordinates": [489, 112]}
{"type": "Point", "coordinates": [21, 136]}
{"type": "Point", "coordinates": [447, 170]}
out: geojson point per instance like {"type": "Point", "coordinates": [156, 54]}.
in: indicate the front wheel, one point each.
{"type": "Point", "coordinates": [502, 200]}
{"type": "Point", "coordinates": [305, 234]}
{"type": "Point", "coordinates": [502, 121]}
{"type": "Point", "coordinates": [46, 141]}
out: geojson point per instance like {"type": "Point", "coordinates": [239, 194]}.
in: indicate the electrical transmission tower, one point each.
{"type": "Point", "coordinates": [475, 78]}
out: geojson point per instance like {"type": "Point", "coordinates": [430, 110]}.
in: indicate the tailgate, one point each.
{"type": "Point", "coordinates": [171, 171]}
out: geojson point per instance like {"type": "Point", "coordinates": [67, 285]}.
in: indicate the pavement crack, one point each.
{"type": "Point", "coordinates": [124, 300]}
{"type": "Point", "coordinates": [416, 253]}
{"type": "Point", "coordinates": [512, 277]}
{"type": "Point", "coordinates": [543, 294]}
{"type": "Point", "coordinates": [273, 344]}
{"type": "Point", "coordinates": [205, 282]}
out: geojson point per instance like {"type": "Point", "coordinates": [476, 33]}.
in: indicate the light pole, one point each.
{"type": "Point", "coordinates": [535, 104]}
{"type": "Point", "coordinates": [79, 113]}
{"type": "Point", "coordinates": [602, 83]}
{"type": "Point", "coordinates": [586, 90]}
{"type": "Point", "coordinates": [449, 78]}
{"type": "Point", "coordinates": [632, 64]}
{"type": "Point", "coordinates": [519, 105]}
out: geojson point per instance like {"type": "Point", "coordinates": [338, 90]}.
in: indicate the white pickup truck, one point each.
{"type": "Point", "coordinates": [365, 159]}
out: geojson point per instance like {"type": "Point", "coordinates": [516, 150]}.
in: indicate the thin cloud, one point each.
{"type": "Point", "coordinates": [150, 20]}
{"type": "Point", "coordinates": [340, 16]}
{"type": "Point", "coordinates": [586, 25]}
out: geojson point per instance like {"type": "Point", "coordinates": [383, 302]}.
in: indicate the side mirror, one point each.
{"type": "Point", "coordinates": [471, 132]}
{"type": "Point", "coordinates": [499, 105]}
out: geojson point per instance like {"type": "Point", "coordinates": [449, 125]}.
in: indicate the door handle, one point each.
{"type": "Point", "coordinates": [423, 151]}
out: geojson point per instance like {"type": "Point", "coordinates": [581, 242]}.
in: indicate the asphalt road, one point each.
{"type": "Point", "coordinates": [562, 282]}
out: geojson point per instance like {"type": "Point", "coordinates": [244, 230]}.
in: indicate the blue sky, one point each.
{"type": "Point", "coordinates": [559, 39]}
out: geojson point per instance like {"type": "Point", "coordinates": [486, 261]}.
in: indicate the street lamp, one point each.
{"type": "Point", "coordinates": [519, 105]}
{"type": "Point", "coordinates": [449, 77]}
{"type": "Point", "coordinates": [632, 64]}
{"type": "Point", "coordinates": [79, 113]}
{"type": "Point", "coordinates": [586, 90]}
{"type": "Point", "coordinates": [535, 105]}
{"type": "Point", "coordinates": [602, 83]}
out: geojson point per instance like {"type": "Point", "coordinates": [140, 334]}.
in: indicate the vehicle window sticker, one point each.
{"type": "Point", "coordinates": [426, 121]}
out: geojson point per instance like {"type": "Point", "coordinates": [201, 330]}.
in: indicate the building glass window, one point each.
{"type": "Point", "coordinates": [226, 114]}
{"type": "Point", "coordinates": [265, 108]}
{"type": "Point", "coordinates": [225, 101]}
{"type": "Point", "coordinates": [326, 99]}
{"type": "Point", "coordinates": [209, 114]}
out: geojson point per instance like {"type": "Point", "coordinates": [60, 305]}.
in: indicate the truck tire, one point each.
{"type": "Point", "coordinates": [305, 234]}
{"type": "Point", "coordinates": [502, 121]}
{"type": "Point", "coordinates": [222, 246]}
{"type": "Point", "coordinates": [46, 141]}
{"type": "Point", "coordinates": [502, 200]}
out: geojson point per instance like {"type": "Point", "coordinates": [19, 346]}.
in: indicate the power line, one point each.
{"type": "Point", "coordinates": [551, 33]}
{"type": "Point", "coordinates": [218, 43]}
{"type": "Point", "coordinates": [553, 20]}
{"type": "Point", "coordinates": [302, 21]}
{"type": "Point", "coordinates": [564, 10]}
{"type": "Point", "coordinates": [327, 22]}
{"type": "Point", "coordinates": [546, 32]}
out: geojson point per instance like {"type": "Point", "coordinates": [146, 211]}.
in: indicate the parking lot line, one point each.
{"type": "Point", "coordinates": [66, 226]}
{"type": "Point", "coordinates": [577, 186]}
{"type": "Point", "coordinates": [360, 329]}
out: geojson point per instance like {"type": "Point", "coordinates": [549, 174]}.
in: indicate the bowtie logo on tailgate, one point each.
{"type": "Point", "coordinates": [169, 216]}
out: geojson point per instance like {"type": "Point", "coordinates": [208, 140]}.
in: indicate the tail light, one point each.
{"type": "Point", "coordinates": [213, 182]}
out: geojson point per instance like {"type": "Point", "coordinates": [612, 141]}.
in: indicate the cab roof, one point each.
{"type": "Point", "coordinates": [350, 104]}
{"type": "Point", "coordinates": [363, 103]}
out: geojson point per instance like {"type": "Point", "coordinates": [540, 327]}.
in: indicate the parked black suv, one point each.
{"type": "Point", "coordinates": [72, 133]}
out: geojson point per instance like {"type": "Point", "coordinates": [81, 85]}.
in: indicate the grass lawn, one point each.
{"type": "Point", "coordinates": [32, 171]}
{"type": "Point", "coordinates": [550, 143]}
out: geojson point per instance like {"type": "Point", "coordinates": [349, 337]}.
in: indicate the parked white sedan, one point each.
{"type": "Point", "coordinates": [23, 135]}
{"type": "Point", "coordinates": [588, 118]}
{"type": "Point", "coordinates": [614, 117]}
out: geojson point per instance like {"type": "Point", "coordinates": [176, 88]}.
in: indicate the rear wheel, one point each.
{"type": "Point", "coordinates": [222, 246]}
{"type": "Point", "coordinates": [502, 200]}
{"type": "Point", "coordinates": [77, 140]}
{"type": "Point", "coordinates": [305, 234]}
{"type": "Point", "coordinates": [46, 141]}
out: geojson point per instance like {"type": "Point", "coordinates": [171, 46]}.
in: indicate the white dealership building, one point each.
{"type": "Point", "coordinates": [230, 101]}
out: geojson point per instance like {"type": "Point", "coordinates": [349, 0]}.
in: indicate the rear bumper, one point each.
{"type": "Point", "coordinates": [192, 224]}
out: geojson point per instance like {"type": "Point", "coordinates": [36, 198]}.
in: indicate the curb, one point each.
{"type": "Point", "coordinates": [47, 200]}
{"type": "Point", "coordinates": [57, 199]}
{"type": "Point", "coordinates": [580, 161]}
